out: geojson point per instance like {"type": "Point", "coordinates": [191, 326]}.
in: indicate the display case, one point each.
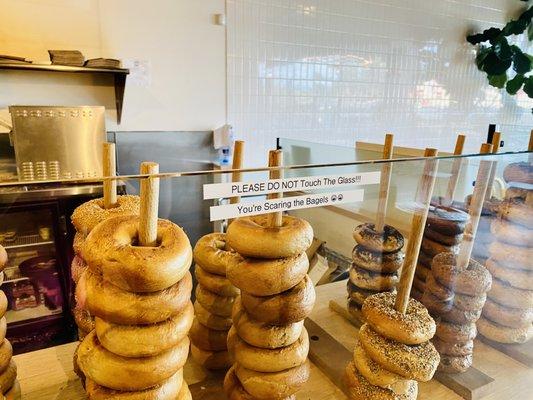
{"type": "Point", "coordinates": [340, 199]}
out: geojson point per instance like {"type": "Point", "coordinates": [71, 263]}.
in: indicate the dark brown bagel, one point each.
{"type": "Point", "coordinates": [388, 241]}
{"type": "Point", "coordinates": [447, 220]}
{"type": "Point", "coordinates": [357, 294]}
{"type": "Point", "coordinates": [424, 259]}
{"type": "Point", "coordinates": [372, 281]}
{"type": "Point", "coordinates": [386, 263]}
{"type": "Point", "coordinates": [432, 248]}
{"type": "Point", "coordinates": [422, 271]}
{"type": "Point", "coordinates": [444, 239]}
{"type": "Point", "coordinates": [455, 365]}
{"type": "Point", "coordinates": [519, 172]}
{"type": "Point", "coordinates": [419, 284]}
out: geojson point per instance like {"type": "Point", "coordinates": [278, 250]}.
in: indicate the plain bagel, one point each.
{"type": "Point", "coordinates": [212, 321]}
{"type": "Point", "coordinates": [3, 258]}
{"type": "Point", "coordinates": [517, 211]}
{"type": "Point", "coordinates": [8, 376]}
{"type": "Point", "coordinates": [208, 339]}
{"type": "Point", "coordinates": [518, 172]}
{"type": "Point", "coordinates": [503, 334]}
{"type": "Point", "coordinates": [512, 257]}
{"type": "Point", "coordinates": [252, 237]}
{"type": "Point", "coordinates": [6, 353]}
{"type": "Point", "coordinates": [211, 254]}
{"type": "Point", "coordinates": [3, 303]}
{"type": "Point", "coordinates": [215, 283]}
{"type": "Point", "coordinates": [3, 328]}
{"type": "Point", "coordinates": [234, 390]}
{"type": "Point", "coordinates": [214, 303]}
{"type": "Point", "coordinates": [111, 250]}
{"type": "Point", "coordinates": [388, 241]}
{"type": "Point", "coordinates": [513, 234]}
{"type": "Point", "coordinates": [287, 307]}
{"type": "Point", "coordinates": [507, 316]}
{"type": "Point", "coordinates": [212, 360]}
{"type": "Point", "coordinates": [510, 296]}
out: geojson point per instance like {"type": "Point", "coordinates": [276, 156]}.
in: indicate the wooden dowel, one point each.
{"type": "Point", "coordinates": [456, 168]}
{"type": "Point", "coordinates": [495, 147]}
{"type": "Point", "coordinates": [386, 172]}
{"type": "Point", "coordinates": [236, 176]}
{"type": "Point", "coordinates": [425, 191]}
{"type": "Point", "coordinates": [275, 159]}
{"type": "Point", "coordinates": [427, 153]}
{"type": "Point", "coordinates": [530, 146]}
{"type": "Point", "coordinates": [149, 205]}
{"type": "Point", "coordinates": [476, 206]}
{"type": "Point", "coordinates": [110, 169]}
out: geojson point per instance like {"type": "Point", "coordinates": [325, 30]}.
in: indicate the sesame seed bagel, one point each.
{"type": "Point", "coordinates": [518, 172]}
{"type": "Point", "coordinates": [77, 243]}
{"type": "Point", "coordinates": [512, 257]}
{"type": "Point", "coordinates": [455, 365]}
{"type": "Point", "coordinates": [388, 241]}
{"type": "Point", "coordinates": [449, 332]}
{"type": "Point", "coordinates": [510, 296]}
{"type": "Point", "coordinates": [234, 390]}
{"type": "Point", "coordinates": [273, 385]}
{"type": "Point", "coordinates": [107, 301]}
{"type": "Point", "coordinates": [418, 362]}
{"type": "Point", "coordinates": [91, 213]}
{"type": "Point", "coordinates": [473, 281]}
{"type": "Point", "coordinates": [77, 267]}
{"type": "Point", "coordinates": [212, 360]}
{"type": "Point", "coordinates": [414, 327]}
{"type": "Point", "coordinates": [8, 376]}
{"type": "Point", "coordinates": [439, 291]}
{"type": "Point", "coordinates": [458, 316]}
{"type": "Point", "coordinates": [214, 303]}
{"type": "Point", "coordinates": [378, 376]}
{"type": "Point", "coordinates": [144, 340]}
{"type": "Point", "coordinates": [111, 251]}
{"type": "Point", "coordinates": [386, 263]}
{"type": "Point", "coordinates": [261, 334]}
{"type": "Point", "coordinates": [252, 237]}
{"type": "Point", "coordinates": [447, 221]}
{"type": "Point", "coordinates": [371, 280]}
{"type": "Point", "coordinates": [169, 389]}
{"type": "Point", "coordinates": [518, 278]}
{"type": "Point", "coordinates": [435, 305]}
{"type": "Point", "coordinates": [517, 211]}
{"type": "Point", "coordinates": [453, 348]}
{"type": "Point", "coordinates": [469, 303]}
{"type": "Point", "coordinates": [265, 277]}
{"type": "Point", "coordinates": [503, 334]}
{"type": "Point", "coordinates": [212, 321]}
{"type": "Point", "coordinates": [215, 283]}
{"type": "Point", "coordinates": [211, 254]}
{"type": "Point", "coordinates": [129, 374]}
{"type": "Point", "coordinates": [513, 234]}
{"type": "Point", "coordinates": [507, 316]}
{"type": "Point", "coordinates": [208, 339]}
{"type": "Point", "coordinates": [290, 306]}
{"type": "Point", "coordinates": [432, 248]}
{"type": "Point", "coordinates": [360, 389]}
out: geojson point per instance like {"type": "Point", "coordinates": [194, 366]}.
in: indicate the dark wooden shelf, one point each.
{"type": "Point", "coordinates": [119, 75]}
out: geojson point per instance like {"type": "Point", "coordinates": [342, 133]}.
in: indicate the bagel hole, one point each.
{"type": "Point", "coordinates": [315, 338]}
{"type": "Point", "coordinates": [135, 242]}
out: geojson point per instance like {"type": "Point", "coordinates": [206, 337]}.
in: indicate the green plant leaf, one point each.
{"type": "Point", "coordinates": [488, 34]}
{"type": "Point", "coordinates": [498, 80]}
{"type": "Point", "coordinates": [502, 49]}
{"type": "Point", "coordinates": [515, 27]}
{"type": "Point", "coordinates": [494, 66]}
{"type": "Point", "coordinates": [530, 32]}
{"type": "Point", "coordinates": [514, 85]}
{"type": "Point", "coordinates": [482, 53]}
{"type": "Point", "coordinates": [528, 86]}
{"type": "Point", "coordinates": [521, 62]}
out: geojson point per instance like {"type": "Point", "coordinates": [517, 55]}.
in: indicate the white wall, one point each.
{"type": "Point", "coordinates": [339, 70]}
{"type": "Point", "coordinates": [186, 51]}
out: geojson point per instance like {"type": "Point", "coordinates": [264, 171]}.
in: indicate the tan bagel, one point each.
{"type": "Point", "coordinates": [265, 277]}
{"type": "Point", "coordinates": [435, 305]}
{"type": "Point", "coordinates": [252, 237]}
{"type": "Point", "coordinates": [235, 391]}
{"type": "Point", "coordinates": [414, 327]}
{"type": "Point", "coordinates": [215, 283]}
{"type": "Point", "coordinates": [456, 349]}
{"type": "Point", "coordinates": [6, 353]}
{"type": "Point", "coordinates": [439, 291]}
{"type": "Point", "coordinates": [208, 339]}
{"type": "Point", "coordinates": [518, 172]}
{"type": "Point", "coordinates": [509, 296]}
{"type": "Point", "coordinates": [513, 257]}
{"type": "Point", "coordinates": [455, 365]}
{"type": "Point", "coordinates": [89, 214]}
{"type": "Point", "coordinates": [469, 303]}
{"type": "Point", "coordinates": [449, 332]}
{"type": "Point", "coordinates": [212, 321]}
{"type": "Point", "coordinates": [77, 267]}
{"type": "Point", "coordinates": [212, 360]}
{"type": "Point", "coordinates": [449, 240]}
{"type": "Point", "coordinates": [3, 303]}
{"type": "Point", "coordinates": [83, 319]}
{"type": "Point", "coordinates": [232, 339]}
{"type": "Point", "coordinates": [518, 278]}
{"type": "Point", "coordinates": [77, 243]}
{"type": "Point", "coordinates": [513, 234]}
{"type": "Point", "coordinates": [417, 362]}
{"type": "Point", "coordinates": [261, 334]}
{"type": "Point", "coordinates": [372, 281]}
{"type": "Point", "coordinates": [212, 302]}
{"type": "Point", "coordinates": [503, 334]}
{"type": "Point", "coordinates": [432, 248]}
{"type": "Point", "coordinates": [144, 340]}
{"type": "Point", "coordinates": [378, 376]}
{"type": "Point", "coordinates": [507, 316]}
{"type": "Point", "coordinates": [211, 254]}
{"type": "Point", "coordinates": [360, 389]}
{"type": "Point", "coordinates": [386, 263]}
{"type": "Point", "coordinates": [3, 258]}
{"type": "Point", "coordinates": [517, 212]}
{"type": "Point", "coordinates": [129, 374]}
{"type": "Point", "coordinates": [166, 390]}
{"type": "Point", "coordinates": [3, 328]}
{"type": "Point", "coordinates": [472, 281]}
{"type": "Point", "coordinates": [15, 393]}
{"type": "Point", "coordinates": [273, 385]}
{"type": "Point", "coordinates": [287, 307]}
{"type": "Point", "coordinates": [388, 241]}
{"type": "Point", "coordinates": [107, 301]}
{"type": "Point", "coordinates": [447, 220]}
{"type": "Point", "coordinates": [8, 376]}
{"type": "Point", "coordinates": [111, 251]}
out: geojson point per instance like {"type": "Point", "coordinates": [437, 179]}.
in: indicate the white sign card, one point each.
{"type": "Point", "coordinates": [227, 211]}
{"type": "Point", "coordinates": [232, 189]}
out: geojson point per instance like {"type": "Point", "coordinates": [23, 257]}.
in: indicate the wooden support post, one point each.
{"type": "Point", "coordinates": [236, 176]}
{"type": "Point", "coordinates": [386, 172]}
{"type": "Point", "coordinates": [418, 223]}
{"type": "Point", "coordinates": [530, 146]}
{"type": "Point", "coordinates": [149, 205]}
{"type": "Point", "coordinates": [275, 159]}
{"type": "Point", "coordinates": [456, 168]}
{"type": "Point", "coordinates": [110, 170]}
{"type": "Point", "coordinates": [495, 147]}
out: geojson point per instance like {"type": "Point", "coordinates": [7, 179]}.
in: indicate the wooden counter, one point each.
{"type": "Point", "coordinates": [48, 374]}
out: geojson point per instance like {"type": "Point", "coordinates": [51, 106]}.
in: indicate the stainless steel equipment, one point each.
{"type": "Point", "coordinates": [54, 142]}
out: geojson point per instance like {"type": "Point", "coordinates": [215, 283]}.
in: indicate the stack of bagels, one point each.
{"type": "Point", "coordinates": [268, 340]}
{"type": "Point", "coordinates": [140, 298]}
{"type": "Point", "coordinates": [9, 386]}
{"type": "Point", "coordinates": [394, 351]}
{"type": "Point", "coordinates": [85, 218]}
{"type": "Point", "coordinates": [443, 233]}
{"type": "Point", "coordinates": [455, 296]}
{"type": "Point", "coordinates": [508, 312]}
{"type": "Point", "coordinates": [377, 257]}
{"type": "Point", "coordinates": [215, 296]}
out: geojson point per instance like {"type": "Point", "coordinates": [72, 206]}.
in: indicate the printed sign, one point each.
{"type": "Point", "coordinates": [220, 190]}
{"type": "Point", "coordinates": [227, 211]}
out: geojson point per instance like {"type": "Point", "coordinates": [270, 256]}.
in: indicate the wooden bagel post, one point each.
{"type": "Point", "coordinates": [530, 146]}
{"type": "Point", "coordinates": [149, 205]}
{"type": "Point", "coordinates": [418, 223]}
{"type": "Point", "coordinates": [236, 176]}
{"type": "Point", "coordinates": [110, 170]}
{"type": "Point", "coordinates": [495, 147]}
{"type": "Point", "coordinates": [476, 206]}
{"type": "Point", "coordinates": [456, 168]}
{"type": "Point", "coordinates": [275, 159]}
{"type": "Point", "coordinates": [386, 172]}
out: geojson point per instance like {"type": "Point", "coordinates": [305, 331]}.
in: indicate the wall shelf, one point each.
{"type": "Point", "coordinates": [119, 76]}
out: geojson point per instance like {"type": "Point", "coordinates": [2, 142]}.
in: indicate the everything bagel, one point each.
{"type": "Point", "coordinates": [388, 241]}
{"type": "Point", "coordinates": [386, 263]}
